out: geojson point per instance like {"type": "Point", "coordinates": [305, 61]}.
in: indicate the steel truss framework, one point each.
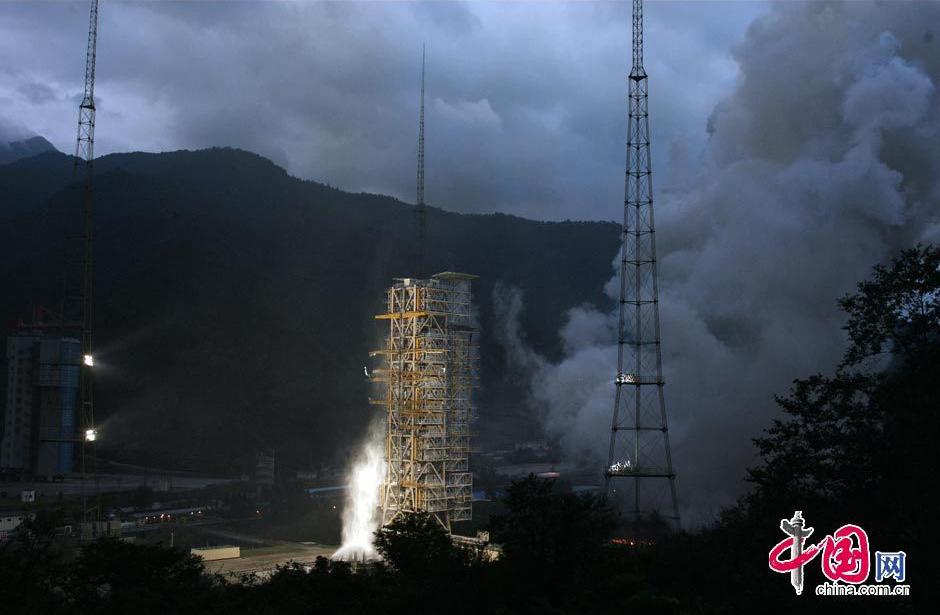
{"type": "Point", "coordinates": [420, 211]}
{"type": "Point", "coordinates": [429, 375]}
{"type": "Point", "coordinates": [639, 453]}
{"type": "Point", "coordinates": [78, 295]}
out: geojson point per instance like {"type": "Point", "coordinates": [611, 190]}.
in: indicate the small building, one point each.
{"type": "Point", "coordinates": [10, 520]}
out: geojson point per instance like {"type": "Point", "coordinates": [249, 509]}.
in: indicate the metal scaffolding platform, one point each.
{"type": "Point", "coordinates": [429, 374]}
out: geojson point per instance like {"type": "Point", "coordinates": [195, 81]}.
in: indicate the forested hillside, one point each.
{"type": "Point", "coordinates": [234, 303]}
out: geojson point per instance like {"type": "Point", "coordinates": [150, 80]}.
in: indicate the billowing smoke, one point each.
{"type": "Point", "coordinates": [821, 162]}
{"type": "Point", "coordinates": [361, 509]}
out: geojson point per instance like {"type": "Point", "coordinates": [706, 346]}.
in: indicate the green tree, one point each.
{"type": "Point", "coordinates": [416, 545]}
{"type": "Point", "coordinates": [897, 310]}
{"type": "Point", "coordinates": [542, 528]}
{"type": "Point", "coordinates": [30, 572]}
{"type": "Point", "coordinates": [869, 428]}
{"type": "Point", "coordinates": [119, 577]}
{"type": "Point", "coordinates": [42, 525]}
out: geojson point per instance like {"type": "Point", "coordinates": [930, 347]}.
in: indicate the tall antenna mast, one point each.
{"type": "Point", "coordinates": [85, 146]}
{"type": "Point", "coordinates": [639, 438]}
{"type": "Point", "coordinates": [420, 210]}
{"type": "Point", "coordinates": [77, 307]}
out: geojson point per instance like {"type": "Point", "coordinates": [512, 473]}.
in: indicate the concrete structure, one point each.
{"type": "Point", "coordinates": [110, 483]}
{"type": "Point", "coordinates": [39, 424]}
{"type": "Point", "coordinates": [212, 554]}
{"type": "Point", "coordinates": [263, 562]}
{"type": "Point", "coordinates": [481, 542]}
{"type": "Point", "coordinates": [16, 446]}
{"type": "Point", "coordinates": [428, 376]}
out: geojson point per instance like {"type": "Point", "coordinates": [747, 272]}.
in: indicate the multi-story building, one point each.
{"type": "Point", "coordinates": [39, 423]}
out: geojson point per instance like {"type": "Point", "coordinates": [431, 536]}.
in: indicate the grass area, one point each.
{"type": "Point", "coordinates": [272, 550]}
{"type": "Point", "coordinates": [319, 525]}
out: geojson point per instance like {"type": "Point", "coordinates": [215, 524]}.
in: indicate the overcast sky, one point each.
{"type": "Point", "coordinates": [795, 146]}
{"type": "Point", "coordinates": [526, 109]}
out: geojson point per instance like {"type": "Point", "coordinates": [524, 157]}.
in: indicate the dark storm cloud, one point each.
{"type": "Point", "coordinates": [822, 162]}
{"type": "Point", "coordinates": [526, 110]}
{"type": "Point", "coordinates": [37, 93]}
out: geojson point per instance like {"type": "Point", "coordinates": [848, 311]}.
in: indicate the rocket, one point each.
{"type": "Point", "coordinates": [794, 527]}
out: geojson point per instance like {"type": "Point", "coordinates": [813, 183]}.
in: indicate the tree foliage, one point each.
{"type": "Point", "coordinates": [542, 529]}
{"type": "Point", "coordinates": [862, 430]}
{"type": "Point", "coordinates": [416, 545]}
{"type": "Point", "coordinates": [896, 310]}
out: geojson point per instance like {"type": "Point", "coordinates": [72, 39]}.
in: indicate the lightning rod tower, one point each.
{"type": "Point", "coordinates": [77, 301]}
{"type": "Point", "coordinates": [639, 457]}
{"type": "Point", "coordinates": [420, 212]}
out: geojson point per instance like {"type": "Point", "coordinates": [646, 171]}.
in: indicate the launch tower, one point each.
{"type": "Point", "coordinates": [428, 377]}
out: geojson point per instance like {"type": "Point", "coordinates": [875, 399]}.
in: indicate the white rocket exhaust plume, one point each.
{"type": "Point", "coordinates": [796, 198]}
{"type": "Point", "coordinates": [361, 509]}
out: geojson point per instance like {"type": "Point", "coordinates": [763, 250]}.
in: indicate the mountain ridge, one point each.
{"type": "Point", "coordinates": [234, 302]}
{"type": "Point", "coordinates": [24, 148]}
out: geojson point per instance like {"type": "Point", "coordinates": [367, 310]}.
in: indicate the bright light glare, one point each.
{"type": "Point", "coordinates": [89, 360]}
{"type": "Point", "coordinates": [621, 466]}
{"type": "Point", "coordinates": [91, 435]}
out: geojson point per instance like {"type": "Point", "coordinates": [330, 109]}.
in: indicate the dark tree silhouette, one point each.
{"type": "Point", "coordinates": [855, 447]}
{"type": "Point", "coordinates": [416, 545]}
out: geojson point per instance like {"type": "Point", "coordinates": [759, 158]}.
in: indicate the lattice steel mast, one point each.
{"type": "Point", "coordinates": [639, 439]}
{"type": "Point", "coordinates": [420, 210]}
{"type": "Point", "coordinates": [77, 308]}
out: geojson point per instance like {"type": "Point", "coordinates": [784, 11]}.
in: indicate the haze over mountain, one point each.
{"type": "Point", "coordinates": [235, 303]}
{"type": "Point", "coordinates": [24, 148]}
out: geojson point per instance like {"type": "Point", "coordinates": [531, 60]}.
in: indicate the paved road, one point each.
{"type": "Point", "coordinates": [106, 483]}
{"type": "Point", "coordinates": [238, 537]}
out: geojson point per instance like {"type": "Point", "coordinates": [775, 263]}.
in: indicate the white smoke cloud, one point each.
{"type": "Point", "coordinates": [821, 162]}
